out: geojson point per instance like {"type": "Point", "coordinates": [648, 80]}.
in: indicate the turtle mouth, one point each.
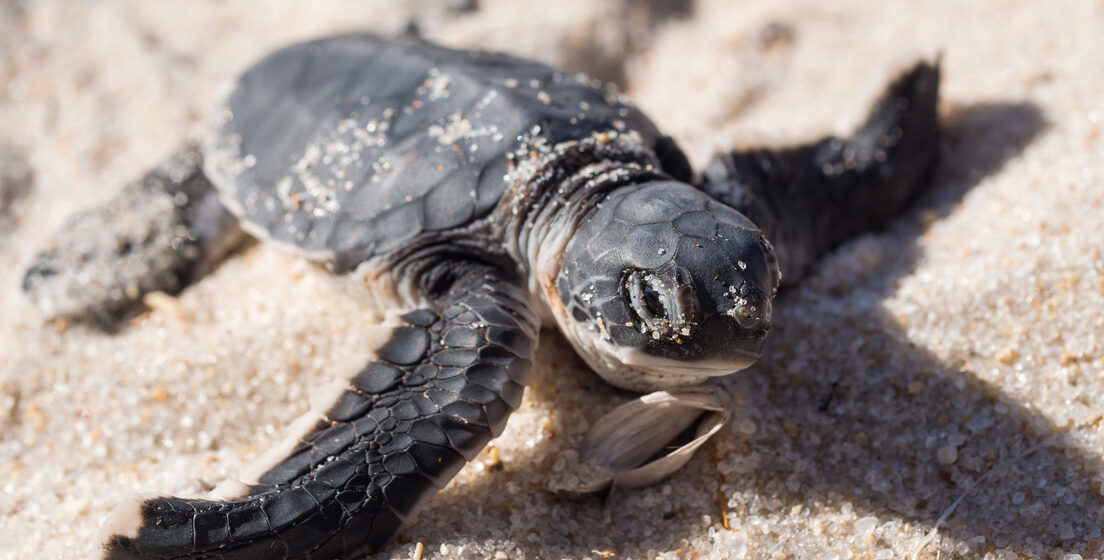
{"type": "Point", "coordinates": [720, 349]}
{"type": "Point", "coordinates": [635, 369]}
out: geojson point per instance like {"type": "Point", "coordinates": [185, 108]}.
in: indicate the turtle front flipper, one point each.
{"type": "Point", "coordinates": [808, 199]}
{"type": "Point", "coordinates": [383, 441]}
{"type": "Point", "coordinates": [159, 233]}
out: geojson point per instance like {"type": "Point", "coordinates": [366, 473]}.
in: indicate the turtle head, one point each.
{"type": "Point", "coordinates": [662, 286]}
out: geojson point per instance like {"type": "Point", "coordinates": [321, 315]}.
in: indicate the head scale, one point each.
{"type": "Point", "coordinates": [662, 286]}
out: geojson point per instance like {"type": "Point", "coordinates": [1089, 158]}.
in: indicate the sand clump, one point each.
{"type": "Point", "coordinates": [948, 371]}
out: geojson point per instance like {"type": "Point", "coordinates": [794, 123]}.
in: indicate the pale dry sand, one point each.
{"type": "Point", "coordinates": [953, 363]}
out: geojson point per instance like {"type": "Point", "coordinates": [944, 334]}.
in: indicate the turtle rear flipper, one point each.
{"type": "Point", "coordinates": [383, 440]}
{"type": "Point", "coordinates": [808, 199]}
{"type": "Point", "coordinates": [159, 233]}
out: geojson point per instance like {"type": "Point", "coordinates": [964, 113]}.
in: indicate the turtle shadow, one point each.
{"type": "Point", "coordinates": [978, 139]}
{"type": "Point", "coordinates": [885, 428]}
{"type": "Point", "coordinates": [888, 428]}
{"type": "Point", "coordinates": [865, 417]}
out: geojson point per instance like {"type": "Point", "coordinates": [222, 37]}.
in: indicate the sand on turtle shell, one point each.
{"type": "Point", "coordinates": [946, 372]}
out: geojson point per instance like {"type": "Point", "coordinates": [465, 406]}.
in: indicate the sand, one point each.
{"type": "Point", "coordinates": [934, 391]}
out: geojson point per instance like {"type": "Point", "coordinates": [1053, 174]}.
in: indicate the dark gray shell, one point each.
{"type": "Point", "coordinates": [353, 147]}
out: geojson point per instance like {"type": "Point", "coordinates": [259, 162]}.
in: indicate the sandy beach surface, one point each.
{"type": "Point", "coordinates": [935, 390]}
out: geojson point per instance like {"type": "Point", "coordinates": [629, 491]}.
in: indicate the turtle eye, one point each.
{"type": "Point", "coordinates": [662, 302]}
{"type": "Point", "coordinates": [648, 295]}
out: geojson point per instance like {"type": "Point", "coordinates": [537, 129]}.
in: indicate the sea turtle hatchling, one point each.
{"type": "Point", "coordinates": [480, 196]}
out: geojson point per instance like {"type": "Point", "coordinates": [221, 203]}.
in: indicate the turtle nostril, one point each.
{"type": "Point", "coordinates": [747, 316]}
{"type": "Point", "coordinates": [752, 312]}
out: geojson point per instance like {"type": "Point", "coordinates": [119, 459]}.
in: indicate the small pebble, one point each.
{"type": "Point", "coordinates": [979, 422]}
{"type": "Point", "coordinates": [866, 525]}
{"type": "Point", "coordinates": [946, 455]}
{"type": "Point", "coordinates": [1008, 356]}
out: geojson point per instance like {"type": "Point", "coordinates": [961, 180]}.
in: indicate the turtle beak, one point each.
{"type": "Point", "coordinates": [691, 372]}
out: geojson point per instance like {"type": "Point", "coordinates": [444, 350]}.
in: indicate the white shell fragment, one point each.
{"type": "Point", "coordinates": [625, 447]}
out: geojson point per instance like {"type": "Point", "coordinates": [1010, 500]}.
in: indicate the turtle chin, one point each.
{"type": "Point", "coordinates": [645, 372]}
{"type": "Point", "coordinates": [641, 369]}
{"type": "Point", "coordinates": [636, 370]}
